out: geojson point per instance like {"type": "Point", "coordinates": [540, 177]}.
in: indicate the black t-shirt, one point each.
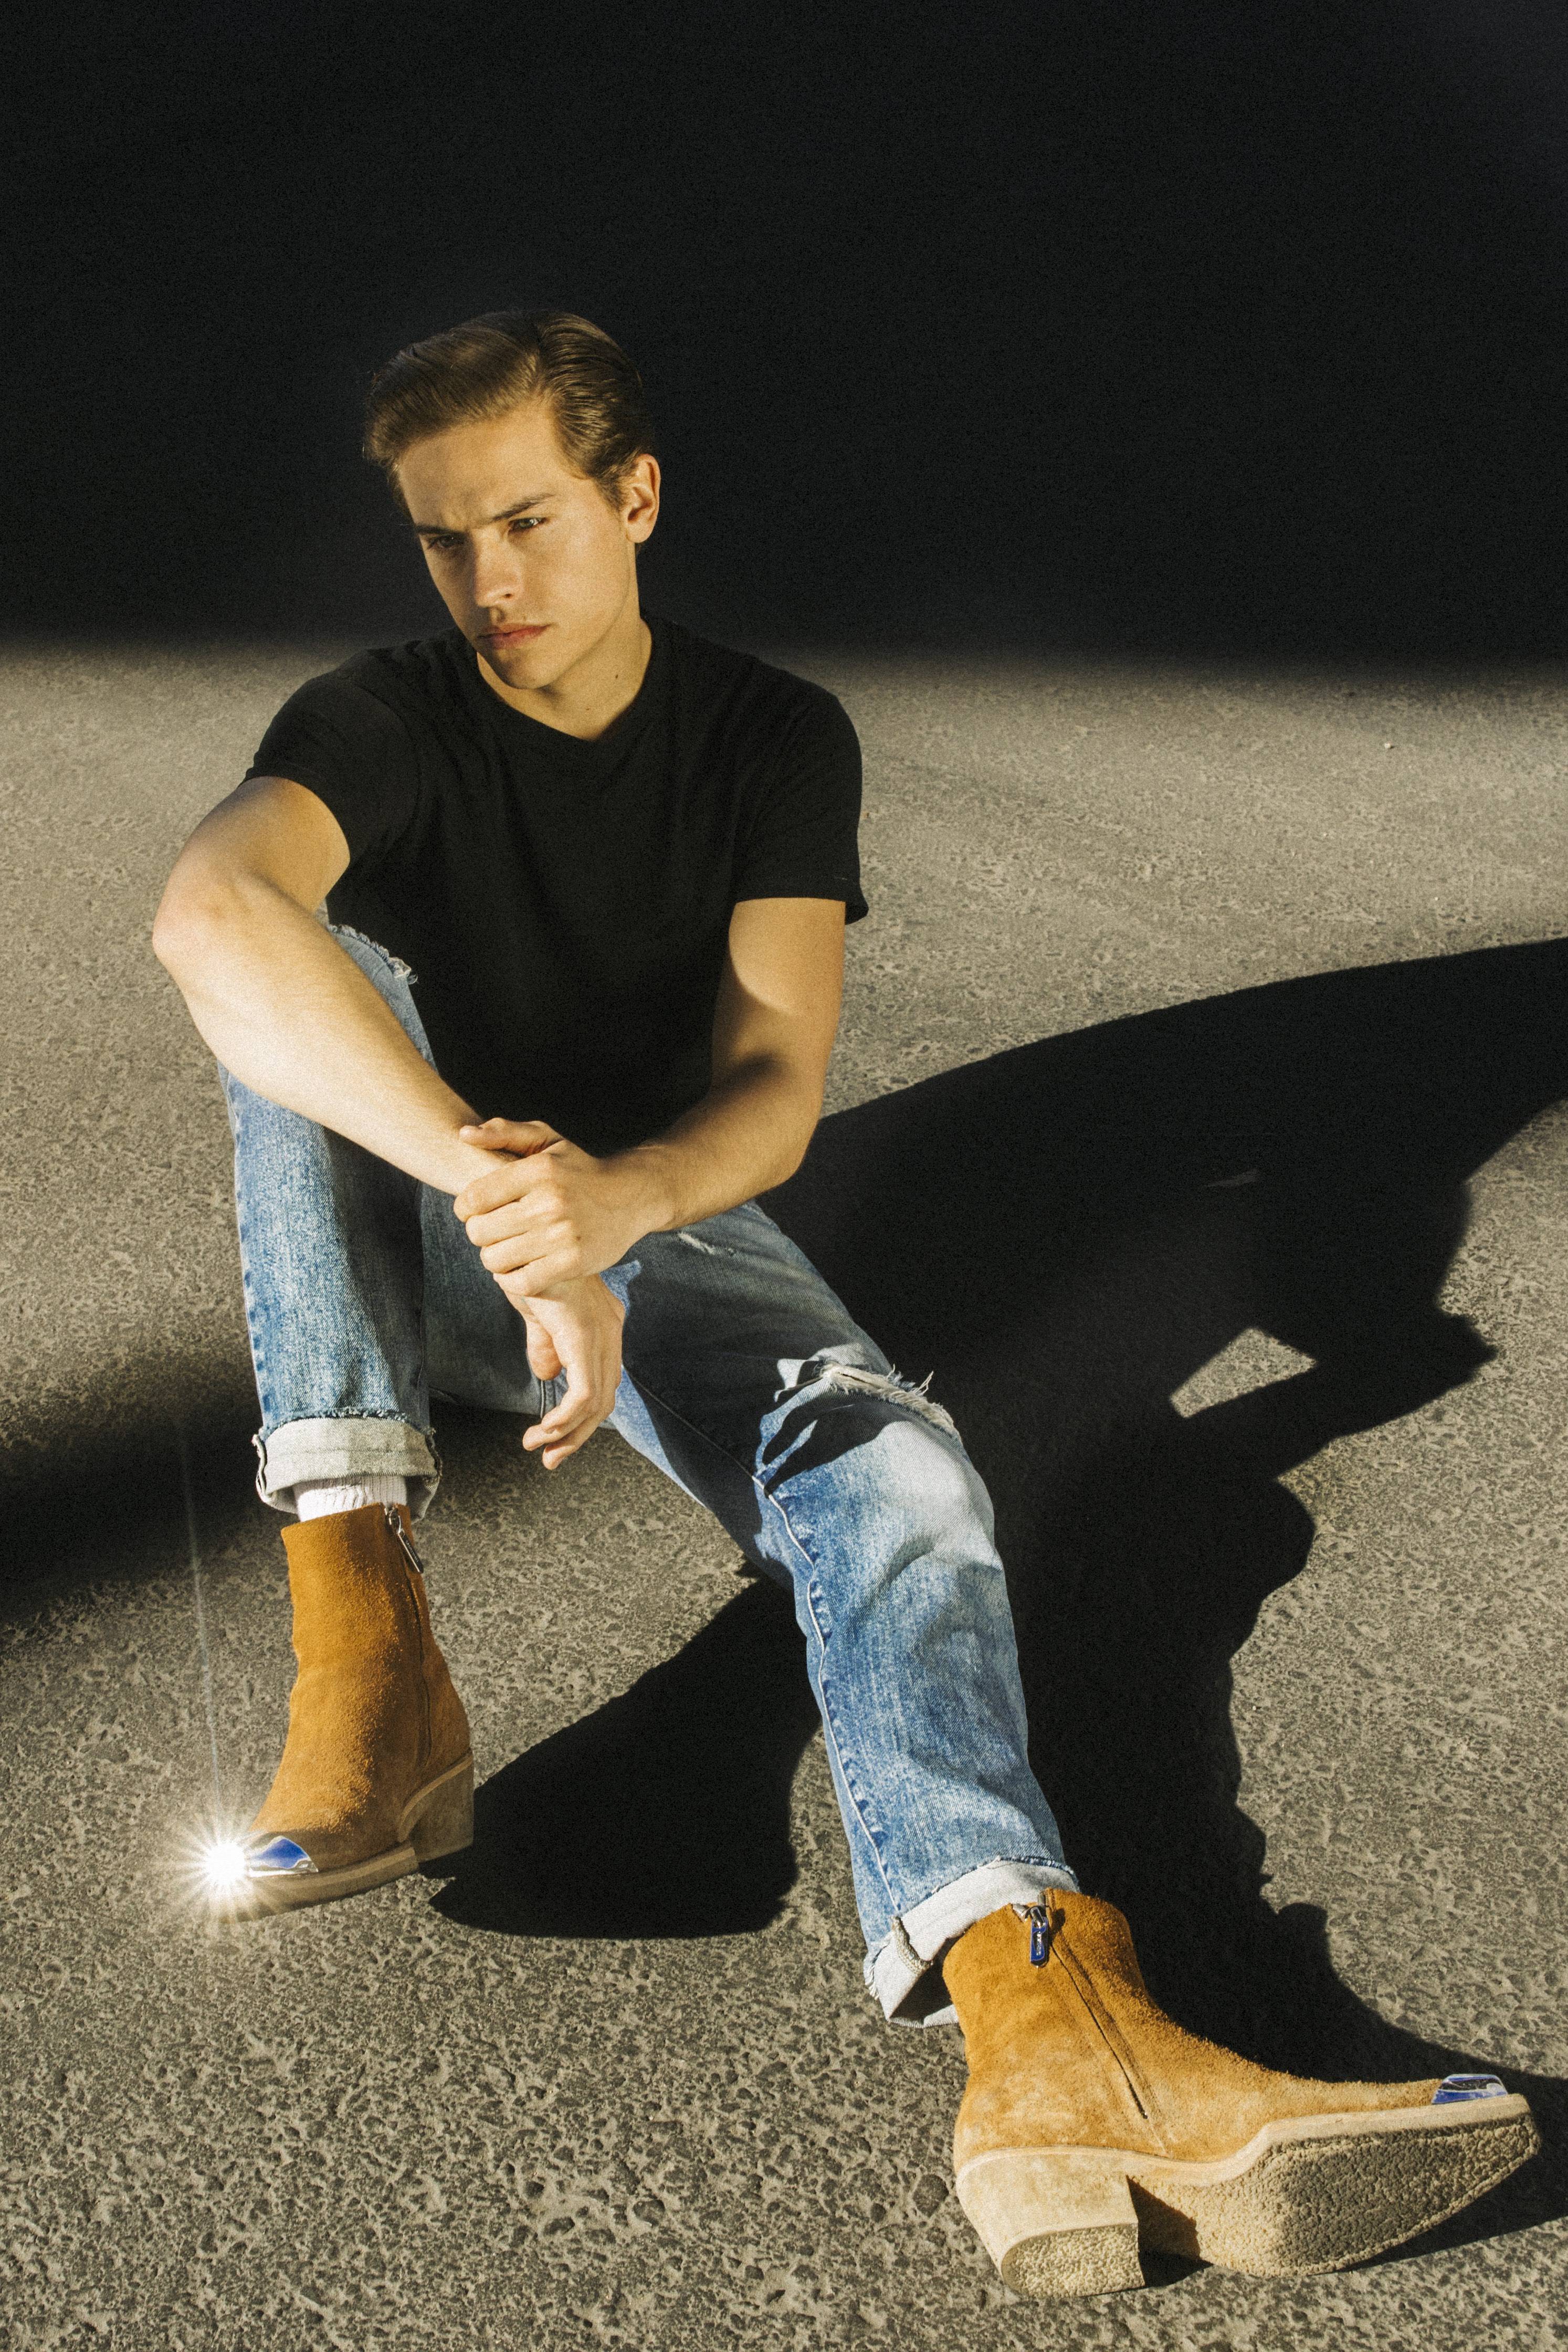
{"type": "Point", "coordinates": [565, 904]}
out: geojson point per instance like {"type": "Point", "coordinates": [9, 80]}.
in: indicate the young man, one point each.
{"type": "Point", "coordinates": [619, 860]}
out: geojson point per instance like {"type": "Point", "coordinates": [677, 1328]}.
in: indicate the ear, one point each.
{"type": "Point", "coordinates": [640, 498]}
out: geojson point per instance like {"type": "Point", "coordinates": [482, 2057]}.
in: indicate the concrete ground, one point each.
{"type": "Point", "coordinates": [1276, 1439]}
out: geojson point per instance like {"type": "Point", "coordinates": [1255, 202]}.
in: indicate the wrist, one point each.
{"type": "Point", "coordinates": [460, 1162]}
{"type": "Point", "coordinates": [654, 1188]}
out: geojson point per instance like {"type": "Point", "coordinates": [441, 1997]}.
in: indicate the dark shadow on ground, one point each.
{"type": "Point", "coordinates": [665, 1813]}
{"type": "Point", "coordinates": [1060, 1231]}
{"type": "Point", "coordinates": [101, 1488]}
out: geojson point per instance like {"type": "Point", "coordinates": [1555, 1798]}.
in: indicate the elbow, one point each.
{"type": "Point", "coordinates": [791, 1166]}
{"type": "Point", "coordinates": [165, 936]}
{"type": "Point", "coordinates": [799, 1142]}
{"type": "Point", "coordinates": [187, 921]}
{"type": "Point", "coordinates": [172, 936]}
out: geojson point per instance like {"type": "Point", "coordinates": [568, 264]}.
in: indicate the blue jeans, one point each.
{"type": "Point", "coordinates": [746, 1381]}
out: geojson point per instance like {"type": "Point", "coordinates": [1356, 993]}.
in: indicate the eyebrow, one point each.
{"type": "Point", "coordinates": [427, 530]}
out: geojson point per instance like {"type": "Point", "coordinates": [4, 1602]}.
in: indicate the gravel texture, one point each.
{"type": "Point", "coordinates": [1294, 1643]}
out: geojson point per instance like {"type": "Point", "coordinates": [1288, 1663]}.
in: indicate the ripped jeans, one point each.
{"type": "Point", "coordinates": [746, 1381]}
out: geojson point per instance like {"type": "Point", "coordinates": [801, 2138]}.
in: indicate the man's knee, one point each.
{"type": "Point", "coordinates": [914, 1491]}
{"type": "Point", "coordinates": [893, 1387]}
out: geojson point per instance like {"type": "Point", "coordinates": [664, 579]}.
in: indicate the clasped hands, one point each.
{"type": "Point", "coordinates": [546, 1226]}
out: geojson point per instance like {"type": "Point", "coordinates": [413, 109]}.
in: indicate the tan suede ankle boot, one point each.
{"type": "Point", "coordinates": [1092, 2121]}
{"type": "Point", "coordinates": [377, 1776]}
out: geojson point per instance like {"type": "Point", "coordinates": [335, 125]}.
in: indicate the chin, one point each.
{"type": "Point", "coordinates": [534, 665]}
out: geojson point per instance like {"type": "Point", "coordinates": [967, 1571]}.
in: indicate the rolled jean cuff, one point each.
{"type": "Point", "coordinates": [901, 1974]}
{"type": "Point", "coordinates": [348, 1446]}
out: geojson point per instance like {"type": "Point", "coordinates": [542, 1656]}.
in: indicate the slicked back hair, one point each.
{"type": "Point", "coordinates": [501, 361]}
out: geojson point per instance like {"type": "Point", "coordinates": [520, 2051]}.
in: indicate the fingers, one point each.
{"type": "Point", "coordinates": [590, 1396]}
{"type": "Point", "coordinates": [513, 1221]}
{"type": "Point", "coordinates": [497, 1185]}
{"type": "Point", "coordinates": [509, 1258]}
{"type": "Point", "coordinates": [545, 1251]}
{"type": "Point", "coordinates": [536, 1274]}
{"type": "Point", "coordinates": [534, 1266]}
{"type": "Point", "coordinates": [553, 1440]}
{"type": "Point", "coordinates": [532, 1209]}
{"type": "Point", "coordinates": [539, 1235]}
{"type": "Point", "coordinates": [544, 1357]}
{"type": "Point", "coordinates": [511, 1134]}
{"type": "Point", "coordinates": [566, 1430]}
{"type": "Point", "coordinates": [586, 1320]}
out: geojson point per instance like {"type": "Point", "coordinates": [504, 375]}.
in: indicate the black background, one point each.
{"type": "Point", "coordinates": [1220, 326]}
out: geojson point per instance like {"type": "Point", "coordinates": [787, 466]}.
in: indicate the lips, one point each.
{"type": "Point", "coordinates": [520, 636]}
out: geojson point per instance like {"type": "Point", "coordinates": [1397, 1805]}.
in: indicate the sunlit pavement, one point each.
{"type": "Point", "coordinates": [617, 2081]}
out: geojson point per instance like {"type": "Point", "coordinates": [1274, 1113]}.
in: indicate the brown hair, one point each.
{"type": "Point", "coordinates": [499, 361]}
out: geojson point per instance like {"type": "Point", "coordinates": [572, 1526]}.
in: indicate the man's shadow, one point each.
{"type": "Point", "coordinates": [666, 1811]}
{"type": "Point", "coordinates": [1066, 1233]}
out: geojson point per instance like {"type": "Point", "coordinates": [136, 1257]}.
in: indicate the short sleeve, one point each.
{"type": "Point", "coordinates": [803, 842]}
{"type": "Point", "coordinates": [345, 745]}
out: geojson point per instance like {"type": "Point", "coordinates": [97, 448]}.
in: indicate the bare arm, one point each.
{"type": "Point", "coordinates": [774, 1026]}
{"type": "Point", "coordinates": [277, 999]}
{"type": "Point", "coordinates": [557, 1210]}
{"type": "Point", "coordinates": [296, 1019]}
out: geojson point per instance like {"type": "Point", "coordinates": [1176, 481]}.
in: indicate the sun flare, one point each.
{"type": "Point", "coordinates": [224, 1865]}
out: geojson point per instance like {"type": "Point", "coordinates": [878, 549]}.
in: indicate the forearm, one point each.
{"type": "Point", "coordinates": [296, 1019]}
{"type": "Point", "coordinates": [749, 1133]}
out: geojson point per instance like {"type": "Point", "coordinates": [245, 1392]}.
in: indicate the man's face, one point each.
{"type": "Point", "coordinates": [531, 561]}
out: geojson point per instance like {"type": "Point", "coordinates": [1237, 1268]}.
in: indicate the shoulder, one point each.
{"type": "Point", "coordinates": [372, 721]}
{"type": "Point", "coordinates": [400, 683]}
{"type": "Point", "coordinates": [749, 692]}
{"type": "Point", "coordinates": [359, 736]}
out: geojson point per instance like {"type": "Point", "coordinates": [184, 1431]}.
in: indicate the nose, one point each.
{"type": "Point", "coordinates": [497, 573]}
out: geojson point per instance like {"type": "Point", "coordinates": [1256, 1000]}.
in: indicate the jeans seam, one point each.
{"type": "Point", "coordinates": [253, 1322]}
{"type": "Point", "coordinates": [829, 1724]}
{"type": "Point", "coordinates": [829, 1713]}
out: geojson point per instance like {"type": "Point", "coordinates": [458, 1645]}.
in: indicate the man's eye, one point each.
{"type": "Point", "coordinates": [443, 545]}
{"type": "Point", "coordinates": [527, 522]}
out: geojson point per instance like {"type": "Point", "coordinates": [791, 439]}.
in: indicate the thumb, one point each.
{"type": "Point", "coordinates": [522, 1136]}
{"type": "Point", "coordinates": [544, 1356]}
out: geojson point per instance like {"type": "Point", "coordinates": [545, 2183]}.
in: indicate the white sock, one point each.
{"type": "Point", "coordinates": [314, 1497]}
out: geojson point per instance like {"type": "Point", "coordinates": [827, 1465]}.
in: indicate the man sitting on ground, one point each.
{"type": "Point", "coordinates": [618, 860]}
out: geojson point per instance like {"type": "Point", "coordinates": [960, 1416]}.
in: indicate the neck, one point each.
{"type": "Point", "coordinates": [590, 696]}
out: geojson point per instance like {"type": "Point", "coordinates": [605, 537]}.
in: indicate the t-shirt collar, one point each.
{"type": "Point", "coordinates": [552, 743]}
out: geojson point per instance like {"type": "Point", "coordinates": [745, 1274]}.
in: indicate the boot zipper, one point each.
{"type": "Point", "coordinates": [1102, 2019]}
{"type": "Point", "coordinates": [395, 1521]}
{"type": "Point", "coordinates": [1040, 1940]}
{"type": "Point", "coordinates": [1039, 1917]}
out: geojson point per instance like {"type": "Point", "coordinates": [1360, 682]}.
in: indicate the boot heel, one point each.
{"type": "Point", "coordinates": [1055, 2220]}
{"type": "Point", "coordinates": [444, 1824]}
